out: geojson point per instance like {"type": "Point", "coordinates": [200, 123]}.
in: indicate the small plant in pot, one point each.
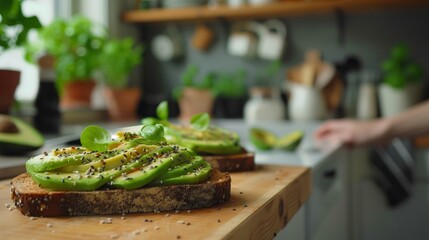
{"type": "Point", "coordinates": [118, 59]}
{"type": "Point", "coordinates": [230, 93]}
{"type": "Point", "coordinates": [402, 82]}
{"type": "Point", "coordinates": [75, 45]}
{"type": "Point", "coordinates": [14, 28]}
{"type": "Point", "coordinates": [195, 97]}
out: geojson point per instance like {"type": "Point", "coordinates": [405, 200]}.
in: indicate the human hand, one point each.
{"type": "Point", "coordinates": [353, 133]}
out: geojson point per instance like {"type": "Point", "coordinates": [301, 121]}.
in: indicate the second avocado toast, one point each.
{"type": "Point", "coordinates": [220, 147]}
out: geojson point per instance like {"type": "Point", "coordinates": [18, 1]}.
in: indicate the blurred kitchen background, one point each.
{"type": "Point", "coordinates": [333, 55]}
{"type": "Point", "coordinates": [294, 61]}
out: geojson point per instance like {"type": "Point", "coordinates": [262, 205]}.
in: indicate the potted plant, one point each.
{"type": "Point", "coordinates": [75, 45]}
{"type": "Point", "coordinates": [117, 60]}
{"type": "Point", "coordinates": [194, 97]}
{"type": "Point", "coordinates": [401, 84]}
{"type": "Point", "coordinates": [14, 28]}
{"type": "Point", "coordinates": [230, 91]}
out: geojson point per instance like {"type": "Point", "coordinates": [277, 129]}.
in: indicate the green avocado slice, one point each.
{"type": "Point", "coordinates": [17, 136]}
{"type": "Point", "coordinates": [290, 141]}
{"type": "Point", "coordinates": [212, 140]}
{"type": "Point", "coordinates": [193, 177]}
{"type": "Point", "coordinates": [93, 179]}
{"type": "Point", "coordinates": [262, 139]}
{"type": "Point", "coordinates": [145, 174]}
{"type": "Point", "coordinates": [182, 169]}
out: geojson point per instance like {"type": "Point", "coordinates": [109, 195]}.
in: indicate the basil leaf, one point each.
{"type": "Point", "coordinates": [149, 121]}
{"type": "Point", "coordinates": [95, 138]}
{"type": "Point", "coordinates": [153, 133]}
{"type": "Point", "coordinates": [162, 110]}
{"type": "Point", "coordinates": [200, 121]}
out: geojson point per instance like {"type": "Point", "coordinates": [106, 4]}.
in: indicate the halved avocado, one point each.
{"type": "Point", "coordinates": [16, 136]}
{"type": "Point", "coordinates": [262, 139]}
{"type": "Point", "coordinates": [290, 141]}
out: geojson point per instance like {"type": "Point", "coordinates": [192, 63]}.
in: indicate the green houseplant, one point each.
{"type": "Point", "coordinates": [195, 96]}
{"type": "Point", "coordinates": [401, 84]}
{"type": "Point", "coordinates": [75, 45]}
{"type": "Point", "coordinates": [14, 28]}
{"type": "Point", "coordinates": [230, 91]}
{"type": "Point", "coordinates": [117, 60]}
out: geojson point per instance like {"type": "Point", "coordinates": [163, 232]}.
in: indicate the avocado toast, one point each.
{"type": "Point", "coordinates": [220, 147]}
{"type": "Point", "coordinates": [133, 173]}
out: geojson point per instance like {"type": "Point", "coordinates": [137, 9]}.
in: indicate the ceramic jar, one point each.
{"type": "Point", "coordinates": [264, 104]}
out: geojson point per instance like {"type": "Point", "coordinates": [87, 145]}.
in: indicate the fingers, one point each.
{"type": "Point", "coordinates": [325, 129]}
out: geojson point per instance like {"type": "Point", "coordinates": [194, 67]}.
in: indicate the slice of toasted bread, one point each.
{"type": "Point", "coordinates": [240, 162]}
{"type": "Point", "coordinates": [35, 201]}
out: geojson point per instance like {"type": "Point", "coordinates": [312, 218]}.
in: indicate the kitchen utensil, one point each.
{"type": "Point", "coordinates": [260, 2]}
{"type": "Point", "coordinates": [182, 3]}
{"type": "Point", "coordinates": [168, 45]}
{"type": "Point", "coordinates": [306, 103]}
{"type": "Point", "coordinates": [236, 3]}
{"type": "Point", "coordinates": [367, 101]}
{"type": "Point", "coordinates": [264, 104]}
{"type": "Point", "coordinates": [242, 41]}
{"type": "Point", "coordinates": [203, 37]}
{"type": "Point", "coordinates": [272, 37]}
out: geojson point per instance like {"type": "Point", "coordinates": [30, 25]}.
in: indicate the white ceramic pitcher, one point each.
{"type": "Point", "coordinates": [306, 103]}
{"type": "Point", "coordinates": [272, 39]}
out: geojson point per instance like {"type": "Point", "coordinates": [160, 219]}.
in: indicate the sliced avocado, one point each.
{"type": "Point", "coordinates": [200, 174]}
{"type": "Point", "coordinates": [262, 139]}
{"type": "Point", "coordinates": [17, 136]}
{"type": "Point", "coordinates": [93, 178]}
{"type": "Point", "coordinates": [192, 165]}
{"type": "Point", "coordinates": [212, 140]}
{"type": "Point", "coordinates": [290, 141]}
{"type": "Point", "coordinates": [145, 174]}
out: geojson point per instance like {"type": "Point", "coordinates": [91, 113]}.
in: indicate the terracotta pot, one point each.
{"type": "Point", "coordinates": [9, 80]}
{"type": "Point", "coordinates": [122, 103]}
{"type": "Point", "coordinates": [77, 94]}
{"type": "Point", "coordinates": [193, 101]}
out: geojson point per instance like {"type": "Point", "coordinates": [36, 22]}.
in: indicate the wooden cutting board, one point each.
{"type": "Point", "coordinates": [262, 202]}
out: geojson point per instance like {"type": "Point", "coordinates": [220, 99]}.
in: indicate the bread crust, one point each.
{"type": "Point", "coordinates": [32, 200]}
{"type": "Point", "coordinates": [240, 162]}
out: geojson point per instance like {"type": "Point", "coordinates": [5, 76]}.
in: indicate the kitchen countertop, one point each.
{"type": "Point", "coordinates": [262, 202]}
{"type": "Point", "coordinates": [308, 154]}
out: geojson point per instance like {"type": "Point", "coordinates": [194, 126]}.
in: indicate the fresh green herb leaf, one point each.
{"type": "Point", "coordinates": [162, 110]}
{"type": "Point", "coordinates": [153, 133]}
{"type": "Point", "coordinates": [95, 138]}
{"type": "Point", "coordinates": [150, 121]}
{"type": "Point", "coordinates": [200, 121]}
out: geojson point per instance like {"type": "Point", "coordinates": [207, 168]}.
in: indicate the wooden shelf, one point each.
{"type": "Point", "coordinates": [272, 10]}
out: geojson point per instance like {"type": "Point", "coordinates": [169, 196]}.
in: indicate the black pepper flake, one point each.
{"type": "Point", "coordinates": [218, 220]}
{"type": "Point", "coordinates": [234, 209]}
{"type": "Point", "coordinates": [178, 237]}
{"type": "Point", "coordinates": [47, 177]}
{"type": "Point", "coordinates": [245, 205]}
{"type": "Point", "coordinates": [241, 192]}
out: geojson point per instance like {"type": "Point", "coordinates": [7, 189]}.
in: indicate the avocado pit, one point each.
{"type": "Point", "coordinates": [7, 126]}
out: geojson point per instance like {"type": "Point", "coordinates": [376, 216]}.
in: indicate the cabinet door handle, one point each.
{"type": "Point", "coordinates": [330, 174]}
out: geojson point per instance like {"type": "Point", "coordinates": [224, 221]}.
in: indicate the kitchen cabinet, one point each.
{"type": "Point", "coordinates": [371, 216]}
{"type": "Point", "coordinates": [280, 9]}
{"type": "Point", "coordinates": [327, 209]}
